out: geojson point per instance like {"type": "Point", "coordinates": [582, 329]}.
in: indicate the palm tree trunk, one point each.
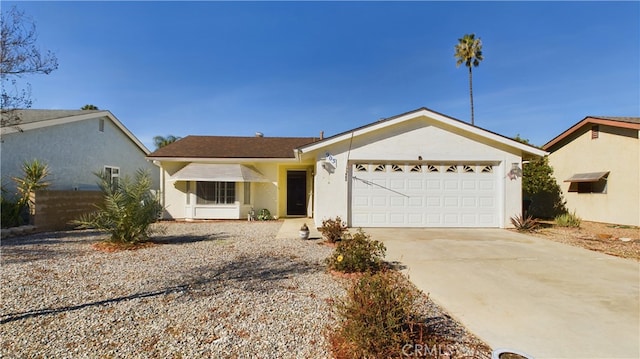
{"type": "Point", "coordinates": [471, 94]}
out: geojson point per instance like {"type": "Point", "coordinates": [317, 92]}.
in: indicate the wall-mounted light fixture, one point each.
{"type": "Point", "coordinates": [515, 171]}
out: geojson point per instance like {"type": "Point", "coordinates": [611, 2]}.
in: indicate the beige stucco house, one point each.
{"type": "Point", "coordinates": [597, 165]}
{"type": "Point", "coordinates": [417, 169]}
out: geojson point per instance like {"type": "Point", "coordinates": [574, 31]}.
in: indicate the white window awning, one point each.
{"type": "Point", "coordinates": [218, 172]}
{"type": "Point", "coordinates": [588, 177]}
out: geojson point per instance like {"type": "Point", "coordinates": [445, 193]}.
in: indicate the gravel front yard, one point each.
{"type": "Point", "coordinates": [216, 289]}
{"type": "Point", "coordinates": [224, 289]}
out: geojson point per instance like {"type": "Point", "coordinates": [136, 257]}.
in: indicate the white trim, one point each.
{"type": "Point", "coordinates": [429, 114]}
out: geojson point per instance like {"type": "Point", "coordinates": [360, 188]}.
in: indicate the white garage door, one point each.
{"type": "Point", "coordinates": [434, 195]}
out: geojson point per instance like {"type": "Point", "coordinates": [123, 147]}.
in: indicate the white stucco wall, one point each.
{"type": "Point", "coordinates": [73, 152]}
{"type": "Point", "coordinates": [405, 143]}
{"type": "Point", "coordinates": [616, 150]}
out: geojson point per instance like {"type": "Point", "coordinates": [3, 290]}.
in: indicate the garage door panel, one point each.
{"type": "Point", "coordinates": [413, 185]}
{"type": "Point", "coordinates": [378, 201]}
{"type": "Point", "coordinates": [397, 201]}
{"type": "Point", "coordinates": [487, 202]}
{"type": "Point", "coordinates": [434, 220]}
{"type": "Point", "coordinates": [415, 219]}
{"type": "Point", "coordinates": [434, 201]}
{"type": "Point", "coordinates": [397, 184]}
{"type": "Point", "coordinates": [428, 196]}
{"type": "Point", "coordinates": [434, 185]}
{"type": "Point", "coordinates": [397, 218]}
{"type": "Point", "coordinates": [415, 202]}
{"type": "Point", "coordinates": [450, 219]}
{"type": "Point", "coordinates": [361, 218]}
{"type": "Point", "coordinates": [469, 184]}
{"type": "Point", "coordinates": [451, 184]}
{"type": "Point", "coordinates": [361, 201]}
{"type": "Point", "coordinates": [450, 202]}
{"type": "Point", "coordinates": [486, 219]}
{"type": "Point", "coordinates": [379, 219]}
{"type": "Point", "coordinates": [469, 202]}
{"type": "Point", "coordinates": [468, 219]}
{"type": "Point", "coordinates": [486, 185]}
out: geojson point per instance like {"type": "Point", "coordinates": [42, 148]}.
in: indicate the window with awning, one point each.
{"type": "Point", "coordinates": [592, 182]}
{"type": "Point", "coordinates": [218, 172]}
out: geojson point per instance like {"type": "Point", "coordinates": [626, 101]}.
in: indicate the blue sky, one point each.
{"type": "Point", "coordinates": [298, 68]}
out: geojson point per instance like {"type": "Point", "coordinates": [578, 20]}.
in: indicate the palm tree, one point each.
{"type": "Point", "coordinates": [160, 141]}
{"type": "Point", "coordinates": [469, 53]}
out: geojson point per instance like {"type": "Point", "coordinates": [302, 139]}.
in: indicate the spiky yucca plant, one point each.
{"type": "Point", "coordinates": [128, 210]}
{"type": "Point", "coordinates": [33, 179]}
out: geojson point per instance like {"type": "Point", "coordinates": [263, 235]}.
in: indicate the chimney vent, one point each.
{"type": "Point", "coordinates": [321, 135]}
{"type": "Point", "coordinates": [259, 134]}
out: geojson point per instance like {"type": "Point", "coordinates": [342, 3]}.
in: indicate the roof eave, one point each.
{"type": "Point", "coordinates": [221, 159]}
{"type": "Point", "coordinates": [430, 114]}
{"type": "Point", "coordinates": [589, 120]}
{"type": "Point", "coordinates": [76, 118]}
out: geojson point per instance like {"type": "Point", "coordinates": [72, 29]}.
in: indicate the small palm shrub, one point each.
{"type": "Point", "coordinates": [357, 253]}
{"type": "Point", "coordinates": [524, 224]}
{"type": "Point", "coordinates": [333, 229]}
{"type": "Point", "coordinates": [568, 220]}
{"type": "Point", "coordinates": [375, 318]}
{"type": "Point", "coordinates": [128, 210]}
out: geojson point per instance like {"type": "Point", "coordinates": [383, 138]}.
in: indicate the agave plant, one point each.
{"type": "Point", "coordinates": [128, 210]}
{"type": "Point", "coordinates": [524, 224]}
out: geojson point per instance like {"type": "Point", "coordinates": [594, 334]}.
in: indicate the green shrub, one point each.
{"type": "Point", "coordinates": [11, 213]}
{"type": "Point", "coordinates": [333, 229]}
{"type": "Point", "coordinates": [357, 253]}
{"type": "Point", "coordinates": [128, 209]}
{"type": "Point", "coordinates": [375, 317]}
{"type": "Point", "coordinates": [524, 224]}
{"type": "Point", "coordinates": [264, 215]}
{"type": "Point", "coordinates": [568, 220]}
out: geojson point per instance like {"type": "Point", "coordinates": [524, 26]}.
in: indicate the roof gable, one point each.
{"type": "Point", "coordinates": [621, 122]}
{"type": "Point", "coordinates": [33, 119]}
{"type": "Point", "coordinates": [232, 147]}
{"type": "Point", "coordinates": [465, 128]}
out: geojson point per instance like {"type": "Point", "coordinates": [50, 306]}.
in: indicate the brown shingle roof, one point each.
{"type": "Point", "coordinates": [618, 119]}
{"type": "Point", "coordinates": [233, 147]}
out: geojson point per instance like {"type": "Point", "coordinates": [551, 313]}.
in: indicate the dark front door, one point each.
{"type": "Point", "coordinates": [296, 193]}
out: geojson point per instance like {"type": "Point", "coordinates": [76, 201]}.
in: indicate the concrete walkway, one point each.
{"type": "Point", "coordinates": [291, 227]}
{"type": "Point", "coordinates": [536, 296]}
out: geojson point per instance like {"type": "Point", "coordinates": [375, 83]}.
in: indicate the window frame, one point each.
{"type": "Point", "coordinates": [112, 173]}
{"type": "Point", "coordinates": [215, 193]}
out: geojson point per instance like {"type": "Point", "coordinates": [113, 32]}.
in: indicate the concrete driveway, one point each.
{"type": "Point", "coordinates": [514, 291]}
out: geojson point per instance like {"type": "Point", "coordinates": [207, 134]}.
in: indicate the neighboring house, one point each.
{"type": "Point", "coordinates": [597, 165]}
{"type": "Point", "coordinates": [418, 169]}
{"type": "Point", "coordinates": [74, 144]}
